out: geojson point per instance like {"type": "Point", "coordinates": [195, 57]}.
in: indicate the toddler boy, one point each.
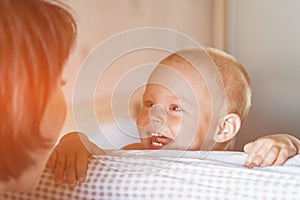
{"type": "Point", "coordinates": [195, 99]}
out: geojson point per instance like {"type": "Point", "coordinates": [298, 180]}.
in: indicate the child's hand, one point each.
{"type": "Point", "coordinates": [71, 157]}
{"type": "Point", "coordinates": [271, 150]}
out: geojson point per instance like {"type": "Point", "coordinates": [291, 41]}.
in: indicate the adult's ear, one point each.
{"type": "Point", "coordinates": [229, 127]}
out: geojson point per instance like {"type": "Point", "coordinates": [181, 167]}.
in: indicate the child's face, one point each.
{"type": "Point", "coordinates": [166, 119]}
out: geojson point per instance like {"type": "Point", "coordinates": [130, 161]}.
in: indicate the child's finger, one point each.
{"type": "Point", "coordinates": [81, 167]}
{"type": "Point", "coordinates": [260, 149]}
{"type": "Point", "coordinates": [249, 160]}
{"type": "Point", "coordinates": [282, 157]}
{"type": "Point", "coordinates": [52, 159]}
{"type": "Point", "coordinates": [71, 171]}
{"type": "Point", "coordinates": [59, 170]}
{"type": "Point", "coordinates": [291, 148]}
{"type": "Point", "coordinates": [248, 147]}
{"type": "Point", "coordinates": [257, 161]}
{"type": "Point", "coordinates": [271, 156]}
{"type": "Point", "coordinates": [252, 153]}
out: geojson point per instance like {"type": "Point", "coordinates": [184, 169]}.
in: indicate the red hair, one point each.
{"type": "Point", "coordinates": [36, 38]}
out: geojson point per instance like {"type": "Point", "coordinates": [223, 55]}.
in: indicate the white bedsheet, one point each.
{"type": "Point", "coordinates": [174, 175]}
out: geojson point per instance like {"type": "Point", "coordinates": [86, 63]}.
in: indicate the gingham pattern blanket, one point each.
{"type": "Point", "coordinates": [173, 175]}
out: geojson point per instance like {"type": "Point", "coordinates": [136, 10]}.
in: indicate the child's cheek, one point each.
{"type": "Point", "coordinates": [142, 119]}
{"type": "Point", "coordinates": [174, 124]}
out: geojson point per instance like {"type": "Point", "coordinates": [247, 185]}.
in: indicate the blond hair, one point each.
{"type": "Point", "coordinates": [236, 82]}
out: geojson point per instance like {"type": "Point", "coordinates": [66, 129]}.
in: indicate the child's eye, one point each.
{"type": "Point", "coordinates": [148, 104]}
{"type": "Point", "coordinates": [174, 107]}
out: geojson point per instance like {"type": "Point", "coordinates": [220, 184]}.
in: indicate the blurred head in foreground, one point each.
{"type": "Point", "coordinates": [36, 38]}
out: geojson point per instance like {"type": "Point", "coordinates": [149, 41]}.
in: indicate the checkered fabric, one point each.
{"type": "Point", "coordinates": [173, 175]}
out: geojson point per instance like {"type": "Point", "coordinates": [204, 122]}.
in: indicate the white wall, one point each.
{"type": "Point", "coordinates": [264, 35]}
{"type": "Point", "coordinates": [100, 19]}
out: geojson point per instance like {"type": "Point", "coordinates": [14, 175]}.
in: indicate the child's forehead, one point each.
{"type": "Point", "coordinates": [170, 73]}
{"type": "Point", "coordinates": [178, 64]}
{"type": "Point", "coordinates": [155, 89]}
{"type": "Point", "coordinates": [167, 84]}
{"type": "Point", "coordinates": [176, 73]}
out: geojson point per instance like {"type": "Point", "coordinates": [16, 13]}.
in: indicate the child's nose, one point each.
{"type": "Point", "coordinates": [157, 116]}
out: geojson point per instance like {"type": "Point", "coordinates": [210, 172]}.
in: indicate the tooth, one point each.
{"type": "Point", "coordinates": [155, 134]}
{"type": "Point", "coordinates": [158, 144]}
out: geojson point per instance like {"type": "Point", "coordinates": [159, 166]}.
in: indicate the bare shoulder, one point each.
{"type": "Point", "coordinates": [134, 146]}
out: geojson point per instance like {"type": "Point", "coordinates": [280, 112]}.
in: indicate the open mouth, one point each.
{"type": "Point", "coordinates": [158, 141]}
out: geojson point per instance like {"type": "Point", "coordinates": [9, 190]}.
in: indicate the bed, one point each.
{"type": "Point", "coordinates": [173, 175]}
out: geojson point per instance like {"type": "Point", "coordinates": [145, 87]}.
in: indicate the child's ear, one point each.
{"type": "Point", "coordinates": [228, 128]}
